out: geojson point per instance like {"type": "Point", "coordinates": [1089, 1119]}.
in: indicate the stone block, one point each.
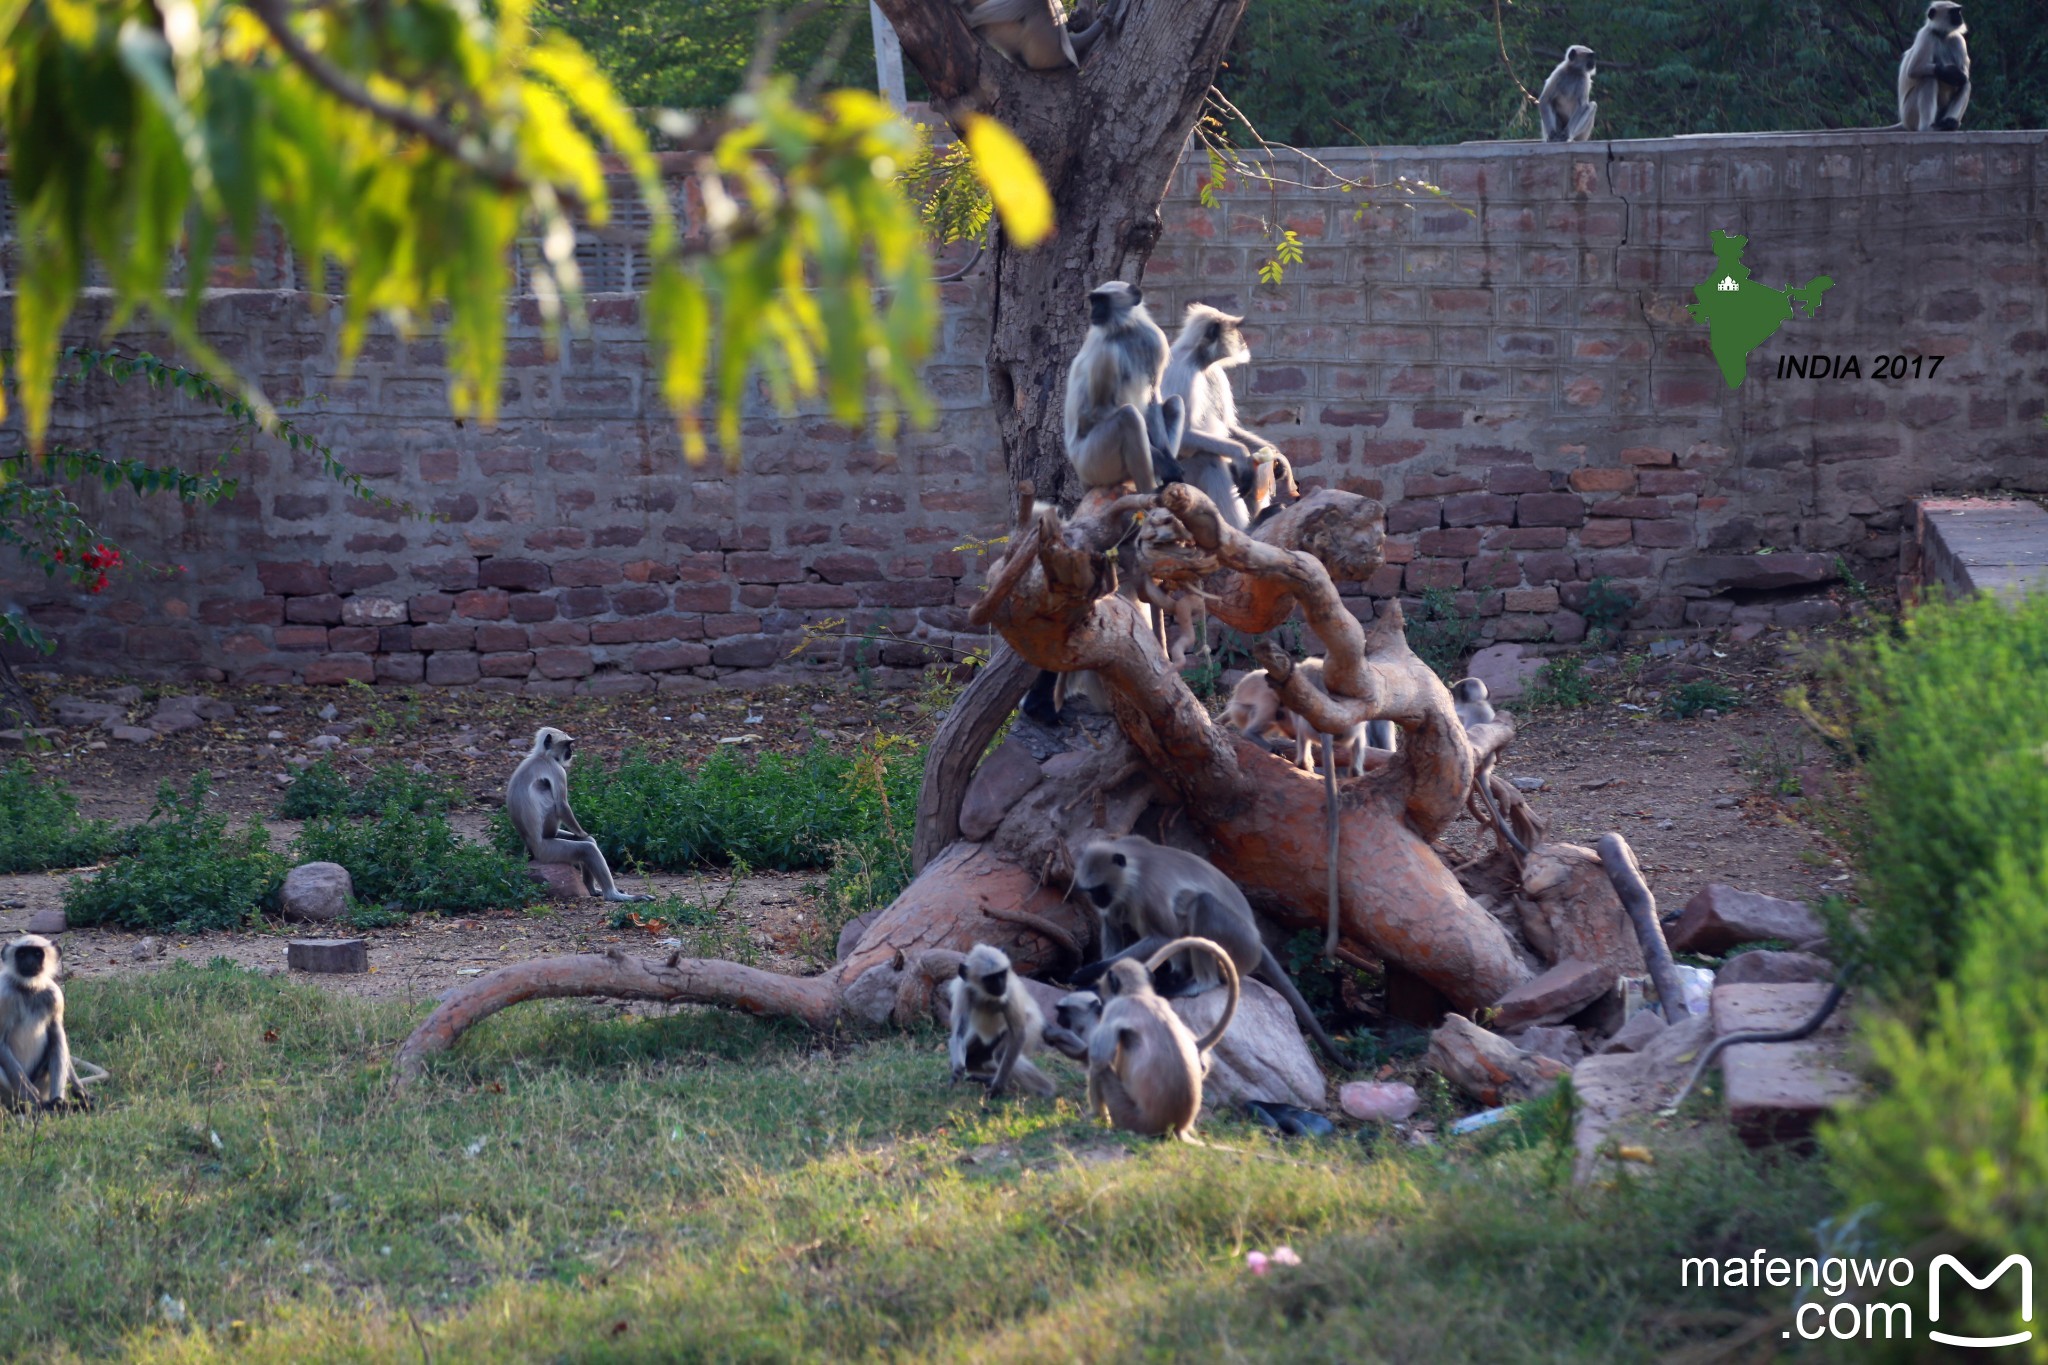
{"type": "Point", "coordinates": [330, 956]}
{"type": "Point", "coordinates": [1722, 917]}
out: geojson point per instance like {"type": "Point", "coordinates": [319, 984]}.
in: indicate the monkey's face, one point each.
{"type": "Point", "coordinates": [26, 957]}
{"type": "Point", "coordinates": [1108, 303]}
{"type": "Point", "coordinates": [1128, 977]}
{"type": "Point", "coordinates": [1582, 58]}
{"type": "Point", "coordinates": [1079, 1012]}
{"type": "Point", "coordinates": [1945, 16]}
{"type": "Point", "coordinates": [1100, 875]}
{"type": "Point", "coordinates": [1223, 344]}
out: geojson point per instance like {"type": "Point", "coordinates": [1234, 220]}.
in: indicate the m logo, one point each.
{"type": "Point", "coordinates": [2026, 1298]}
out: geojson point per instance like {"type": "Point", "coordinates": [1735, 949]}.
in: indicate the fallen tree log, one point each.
{"type": "Point", "coordinates": [1158, 763]}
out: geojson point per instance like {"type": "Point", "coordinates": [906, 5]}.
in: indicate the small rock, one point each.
{"type": "Point", "coordinates": [125, 696]}
{"type": "Point", "coordinates": [329, 711]}
{"type": "Point", "coordinates": [1379, 1101]}
{"type": "Point", "coordinates": [275, 736]}
{"type": "Point", "coordinates": [266, 710]}
{"type": "Point", "coordinates": [1667, 824]}
{"type": "Point", "coordinates": [325, 742]}
{"type": "Point", "coordinates": [1003, 779]}
{"type": "Point", "coordinates": [328, 956]}
{"type": "Point", "coordinates": [559, 881]}
{"type": "Point", "coordinates": [1528, 784]}
{"type": "Point", "coordinates": [820, 708]}
{"type": "Point", "coordinates": [315, 893]}
{"type": "Point", "coordinates": [17, 739]}
{"type": "Point", "coordinates": [1556, 995]}
{"type": "Point", "coordinates": [76, 713]}
{"type": "Point", "coordinates": [1722, 917]}
{"type": "Point", "coordinates": [1556, 1041]}
{"type": "Point", "coordinates": [1487, 1066]}
{"type": "Point", "coordinates": [132, 734]}
{"type": "Point", "coordinates": [1764, 967]}
{"type": "Point", "coordinates": [1747, 631]}
{"type": "Point", "coordinates": [1505, 669]}
{"type": "Point", "coordinates": [421, 769]}
{"type": "Point", "coordinates": [1636, 1034]}
{"type": "Point", "coordinates": [148, 948]}
{"type": "Point", "coordinates": [174, 722]}
{"type": "Point", "coordinates": [849, 937]}
{"type": "Point", "coordinates": [48, 922]}
{"type": "Point", "coordinates": [1725, 803]}
{"type": "Point", "coordinates": [698, 718]}
{"type": "Point", "coordinates": [1664, 649]}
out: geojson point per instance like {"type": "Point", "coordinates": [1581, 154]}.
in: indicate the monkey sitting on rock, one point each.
{"type": "Point", "coordinates": [537, 800]}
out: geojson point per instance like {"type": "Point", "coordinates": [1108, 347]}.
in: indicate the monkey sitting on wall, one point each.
{"type": "Point", "coordinates": [1566, 105]}
{"type": "Point", "coordinates": [1934, 75]}
{"type": "Point", "coordinates": [537, 800]}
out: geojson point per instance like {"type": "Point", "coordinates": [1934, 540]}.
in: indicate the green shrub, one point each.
{"type": "Point", "coordinates": [1606, 609]}
{"type": "Point", "coordinates": [185, 872]}
{"type": "Point", "coordinates": [1687, 700]}
{"type": "Point", "coordinates": [1957, 1143]}
{"type": "Point", "coordinates": [776, 813]}
{"type": "Point", "coordinates": [1561, 685]}
{"type": "Point", "coordinates": [1948, 720]}
{"type": "Point", "coordinates": [1440, 634]}
{"type": "Point", "coordinates": [415, 860]}
{"type": "Point", "coordinates": [319, 790]}
{"type": "Point", "coordinates": [40, 827]}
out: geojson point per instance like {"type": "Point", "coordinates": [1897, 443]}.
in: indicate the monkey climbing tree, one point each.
{"type": "Point", "coordinates": [1158, 762]}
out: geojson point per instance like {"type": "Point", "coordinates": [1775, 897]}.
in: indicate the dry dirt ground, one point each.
{"type": "Point", "coordinates": [1698, 799]}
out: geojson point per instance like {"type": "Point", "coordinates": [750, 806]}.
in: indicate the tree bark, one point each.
{"type": "Point", "coordinates": [1107, 138]}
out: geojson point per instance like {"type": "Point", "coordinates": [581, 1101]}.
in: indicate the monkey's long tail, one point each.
{"type": "Point", "coordinates": [1230, 981]}
{"type": "Point", "coordinates": [79, 1067]}
{"type": "Point", "coordinates": [1790, 1035]}
{"type": "Point", "coordinates": [1330, 810]}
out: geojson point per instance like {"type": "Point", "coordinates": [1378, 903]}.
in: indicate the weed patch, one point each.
{"type": "Point", "coordinates": [1561, 686]}
{"type": "Point", "coordinates": [40, 827]}
{"type": "Point", "coordinates": [320, 790]}
{"type": "Point", "coordinates": [413, 859]}
{"type": "Point", "coordinates": [1699, 696]}
{"type": "Point", "coordinates": [1440, 634]}
{"type": "Point", "coordinates": [184, 871]}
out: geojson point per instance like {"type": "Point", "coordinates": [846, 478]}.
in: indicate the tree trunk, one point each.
{"type": "Point", "coordinates": [1107, 138]}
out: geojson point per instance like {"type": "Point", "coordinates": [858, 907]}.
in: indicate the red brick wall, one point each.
{"type": "Point", "coordinates": [1520, 383]}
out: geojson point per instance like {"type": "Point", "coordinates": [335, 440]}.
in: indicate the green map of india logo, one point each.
{"type": "Point", "coordinates": [1742, 314]}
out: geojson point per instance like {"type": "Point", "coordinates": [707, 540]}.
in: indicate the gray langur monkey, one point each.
{"type": "Point", "coordinates": [36, 1066]}
{"type": "Point", "coordinates": [1468, 699]}
{"type": "Point", "coordinates": [1238, 468]}
{"type": "Point", "coordinates": [1117, 427]}
{"type": "Point", "coordinates": [1146, 894]}
{"type": "Point", "coordinates": [537, 800]}
{"type": "Point", "coordinates": [1934, 75]}
{"type": "Point", "coordinates": [995, 1023]}
{"type": "Point", "coordinates": [1145, 1067]}
{"type": "Point", "coordinates": [1566, 105]}
{"type": "Point", "coordinates": [1077, 1013]}
{"type": "Point", "coordinates": [1038, 34]}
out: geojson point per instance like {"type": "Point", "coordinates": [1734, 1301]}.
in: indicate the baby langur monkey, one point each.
{"type": "Point", "coordinates": [36, 1067]}
{"type": "Point", "coordinates": [1566, 105]}
{"type": "Point", "coordinates": [1934, 75]}
{"type": "Point", "coordinates": [1117, 428]}
{"type": "Point", "coordinates": [537, 800]}
{"type": "Point", "coordinates": [1145, 1067]}
{"type": "Point", "coordinates": [1233, 464]}
{"type": "Point", "coordinates": [995, 1022]}
{"type": "Point", "coordinates": [1037, 33]}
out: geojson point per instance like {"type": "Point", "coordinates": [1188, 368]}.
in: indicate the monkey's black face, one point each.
{"type": "Point", "coordinates": [28, 961]}
{"type": "Point", "coordinates": [995, 983]}
{"type": "Point", "coordinates": [1101, 894]}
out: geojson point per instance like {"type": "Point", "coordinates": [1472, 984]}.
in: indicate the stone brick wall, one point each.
{"type": "Point", "coordinates": [1509, 366]}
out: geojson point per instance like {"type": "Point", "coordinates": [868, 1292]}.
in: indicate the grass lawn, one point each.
{"type": "Point", "coordinates": [579, 1184]}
